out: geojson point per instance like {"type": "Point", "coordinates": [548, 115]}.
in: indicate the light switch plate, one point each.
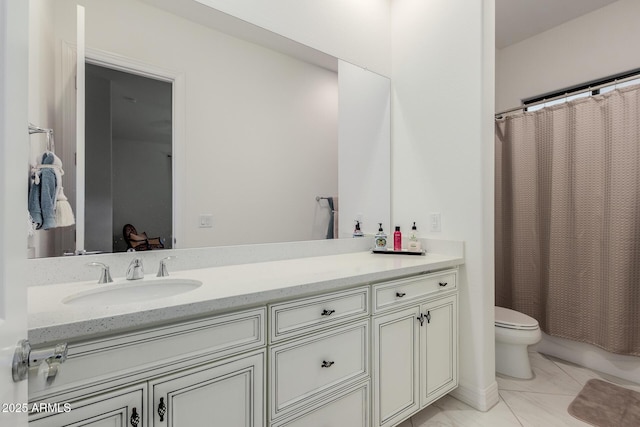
{"type": "Point", "coordinates": [205, 221]}
{"type": "Point", "coordinates": [435, 222]}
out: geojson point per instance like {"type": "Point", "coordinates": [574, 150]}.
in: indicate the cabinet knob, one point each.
{"type": "Point", "coordinates": [443, 284]}
{"type": "Point", "coordinates": [135, 418]}
{"type": "Point", "coordinates": [327, 312]}
{"type": "Point", "coordinates": [326, 364]}
{"type": "Point", "coordinates": [400, 294]}
{"type": "Point", "coordinates": [421, 319]}
{"type": "Point", "coordinates": [162, 409]}
{"type": "Point", "coordinates": [428, 317]}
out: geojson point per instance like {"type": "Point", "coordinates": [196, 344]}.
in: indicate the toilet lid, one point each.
{"type": "Point", "coordinates": [511, 319]}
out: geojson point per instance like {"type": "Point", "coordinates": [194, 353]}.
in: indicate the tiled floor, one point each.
{"type": "Point", "coordinates": [541, 401]}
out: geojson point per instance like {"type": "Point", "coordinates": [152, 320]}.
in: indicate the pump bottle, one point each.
{"type": "Point", "coordinates": [381, 239]}
{"type": "Point", "coordinates": [414, 244]}
{"type": "Point", "coordinates": [397, 239]}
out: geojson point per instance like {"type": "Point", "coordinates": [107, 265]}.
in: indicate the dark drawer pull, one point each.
{"type": "Point", "coordinates": [327, 312]}
{"type": "Point", "coordinates": [135, 418]}
{"type": "Point", "coordinates": [400, 294]}
{"type": "Point", "coordinates": [326, 364]}
{"type": "Point", "coordinates": [162, 409]}
{"type": "Point", "coordinates": [443, 284]}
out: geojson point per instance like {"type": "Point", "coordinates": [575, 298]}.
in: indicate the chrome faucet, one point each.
{"type": "Point", "coordinates": [162, 267]}
{"type": "Point", "coordinates": [135, 270]}
{"type": "Point", "coordinates": [105, 276]}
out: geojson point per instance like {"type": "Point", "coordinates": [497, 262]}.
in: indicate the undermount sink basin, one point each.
{"type": "Point", "coordinates": [132, 291]}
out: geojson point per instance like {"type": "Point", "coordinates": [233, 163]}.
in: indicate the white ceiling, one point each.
{"type": "Point", "coordinates": [517, 20]}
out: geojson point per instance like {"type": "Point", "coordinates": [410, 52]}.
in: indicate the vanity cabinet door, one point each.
{"type": "Point", "coordinates": [395, 366]}
{"type": "Point", "coordinates": [229, 393]}
{"type": "Point", "coordinates": [438, 349]}
{"type": "Point", "coordinates": [123, 408]}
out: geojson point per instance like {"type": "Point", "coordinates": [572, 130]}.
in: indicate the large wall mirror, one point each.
{"type": "Point", "coordinates": [202, 130]}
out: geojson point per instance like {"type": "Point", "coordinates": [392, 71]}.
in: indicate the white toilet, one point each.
{"type": "Point", "coordinates": [515, 331]}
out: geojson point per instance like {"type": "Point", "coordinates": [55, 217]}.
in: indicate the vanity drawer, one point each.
{"type": "Point", "coordinates": [307, 370]}
{"type": "Point", "coordinates": [349, 407]}
{"type": "Point", "coordinates": [401, 292]}
{"type": "Point", "coordinates": [302, 316]}
{"type": "Point", "coordinates": [129, 357]}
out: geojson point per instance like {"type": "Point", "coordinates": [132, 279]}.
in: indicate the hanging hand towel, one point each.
{"type": "Point", "coordinates": [30, 225]}
{"type": "Point", "coordinates": [44, 191]}
{"type": "Point", "coordinates": [64, 213]}
{"type": "Point", "coordinates": [42, 194]}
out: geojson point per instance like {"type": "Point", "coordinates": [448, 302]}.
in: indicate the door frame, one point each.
{"type": "Point", "coordinates": [133, 66]}
{"type": "Point", "coordinates": [14, 143]}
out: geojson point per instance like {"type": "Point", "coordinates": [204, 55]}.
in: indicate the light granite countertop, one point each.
{"type": "Point", "coordinates": [223, 289]}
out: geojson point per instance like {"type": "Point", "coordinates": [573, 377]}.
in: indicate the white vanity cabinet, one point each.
{"type": "Point", "coordinates": [208, 371]}
{"type": "Point", "coordinates": [370, 355]}
{"type": "Point", "coordinates": [415, 344]}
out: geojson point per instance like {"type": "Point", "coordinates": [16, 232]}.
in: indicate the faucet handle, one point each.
{"type": "Point", "coordinates": [105, 276]}
{"type": "Point", "coordinates": [162, 267]}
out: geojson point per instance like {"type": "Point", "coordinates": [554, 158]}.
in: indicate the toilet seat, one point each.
{"type": "Point", "coordinates": [511, 319]}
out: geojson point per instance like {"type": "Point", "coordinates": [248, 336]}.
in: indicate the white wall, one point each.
{"type": "Point", "coordinates": [41, 87]}
{"type": "Point", "coordinates": [593, 46]}
{"type": "Point", "coordinates": [364, 159]}
{"type": "Point", "coordinates": [261, 127]}
{"type": "Point", "coordinates": [356, 31]}
{"type": "Point", "coordinates": [442, 132]}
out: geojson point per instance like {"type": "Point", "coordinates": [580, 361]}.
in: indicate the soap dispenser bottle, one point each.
{"type": "Point", "coordinates": [414, 244]}
{"type": "Point", "coordinates": [381, 239]}
{"type": "Point", "coordinates": [397, 239]}
{"type": "Point", "coordinates": [357, 232]}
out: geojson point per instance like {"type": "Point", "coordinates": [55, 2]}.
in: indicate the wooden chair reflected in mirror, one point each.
{"type": "Point", "coordinates": [140, 241]}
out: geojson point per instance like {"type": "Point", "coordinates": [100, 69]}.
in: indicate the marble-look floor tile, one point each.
{"type": "Point", "coordinates": [451, 412]}
{"type": "Point", "coordinates": [548, 378]}
{"type": "Point", "coordinates": [406, 423]}
{"type": "Point", "coordinates": [582, 375]}
{"type": "Point", "coordinates": [540, 409]}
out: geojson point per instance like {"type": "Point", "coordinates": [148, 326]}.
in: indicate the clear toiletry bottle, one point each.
{"type": "Point", "coordinates": [414, 244]}
{"type": "Point", "coordinates": [397, 239]}
{"type": "Point", "coordinates": [357, 232]}
{"type": "Point", "coordinates": [381, 239]}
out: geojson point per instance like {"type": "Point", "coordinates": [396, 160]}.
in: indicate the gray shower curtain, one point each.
{"type": "Point", "coordinates": [568, 218]}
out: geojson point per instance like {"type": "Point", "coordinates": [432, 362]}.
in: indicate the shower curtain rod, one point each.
{"type": "Point", "coordinates": [569, 93]}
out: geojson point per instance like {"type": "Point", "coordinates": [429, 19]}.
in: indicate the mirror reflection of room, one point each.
{"type": "Point", "coordinates": [128, 159]}
{"type": "Point", "coordinates": [254, 123]}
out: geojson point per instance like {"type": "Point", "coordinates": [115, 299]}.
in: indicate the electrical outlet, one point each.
{"type": "Point", "coordinates": [205, 221]}
{"type": "Point", "coordinates": [434, 222]}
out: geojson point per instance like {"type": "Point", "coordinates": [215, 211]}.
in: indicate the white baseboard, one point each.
{"type": "Point", "coordinates": [477, 398]}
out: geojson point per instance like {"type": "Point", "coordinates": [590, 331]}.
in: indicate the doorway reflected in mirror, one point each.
{"type": "Point", "coordinates": [128, 143]}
